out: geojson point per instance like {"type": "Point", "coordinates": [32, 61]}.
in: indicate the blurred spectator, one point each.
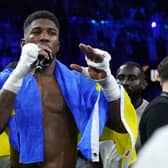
{"type": "Point", "coordinates": [156, 115]}
{"type": "Point", "coordinates": [154, 153]}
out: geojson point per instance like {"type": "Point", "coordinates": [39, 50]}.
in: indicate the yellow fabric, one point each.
{"type": "Point", "coordinates": [4, 145]}
{"type": "Point", "coordinates": [124, 142]}
{"type": "Point", "coordinates": [4, 141]}
{"type": "Point", "coordinates": [98, 87]}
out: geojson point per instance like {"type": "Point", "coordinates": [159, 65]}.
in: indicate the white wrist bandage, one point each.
{"type": "Point", "coordinates": [28, 57]}
{"type": "Point", "coordinates": [13, 83]}
{"type": "Point", "coordinates": [110, 88]}
{"type": "Point", "coordinates": [109, 84]}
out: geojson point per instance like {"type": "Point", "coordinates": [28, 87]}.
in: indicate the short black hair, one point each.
{"type": "Point", "coordinates": [135, 64]}
{"type": "Point", "coordinates": [41, 14]}
{"type": "Point", "coordinates": [163, 69]}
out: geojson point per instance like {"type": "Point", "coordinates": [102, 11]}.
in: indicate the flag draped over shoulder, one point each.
{"type": "Point", "coordinates": [125, 142]}
{"type": "Point", "coordinates": [26, 125]}
{"type": "Point", "coordinates": [89, 109]}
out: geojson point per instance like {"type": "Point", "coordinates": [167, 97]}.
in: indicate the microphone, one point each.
{"type": "Point", "coordinates": [41, 63]}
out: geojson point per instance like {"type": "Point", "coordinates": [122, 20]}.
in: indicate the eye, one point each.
{"type": "Point", "coordinates": [36, 31]}
{"type": "Point", "coordinates": [120, 77]}
{"type": "Point", "coordinates": [52, 32]}
{"type": "Point", "coordinates": [132, 78]}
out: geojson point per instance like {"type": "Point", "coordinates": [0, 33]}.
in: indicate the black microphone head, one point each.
{"type": "Point", "coordinates": [41, 63]}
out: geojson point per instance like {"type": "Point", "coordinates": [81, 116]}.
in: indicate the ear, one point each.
{"type": "Point", "coordinates": [58, 46]}
{"type": "Point", "coordinates": [144, 84]}
{"type": "Point", "coordinates": [22, 42]}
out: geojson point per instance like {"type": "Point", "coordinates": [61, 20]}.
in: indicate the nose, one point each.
{"type": "Point", "coordinates": [124, 81]}
{"type": "Point", "coordinates": [44, 36]}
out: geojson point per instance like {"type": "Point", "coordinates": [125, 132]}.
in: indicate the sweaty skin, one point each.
{"type": "Point", "coordinates": [59, 127]}
{"type": "Point", "coordinates": [60, 133]}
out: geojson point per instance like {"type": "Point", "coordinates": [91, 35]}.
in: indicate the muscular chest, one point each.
{"type": "Point", "coordinates": [51, 96]}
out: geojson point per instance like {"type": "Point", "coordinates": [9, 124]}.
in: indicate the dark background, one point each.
{"type": "Point", "coordinates": [122, 27]}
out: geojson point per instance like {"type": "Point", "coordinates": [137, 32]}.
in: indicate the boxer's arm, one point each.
{"type": "Point", "coordinates": [14, 82]}
{"type": "Point", "coordinates": [7, 99]}
{"type": "Point", "coordinates": [99, 70]}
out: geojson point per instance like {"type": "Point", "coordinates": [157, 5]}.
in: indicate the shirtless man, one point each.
{"type": "Point", "coordinates": [59, 123]}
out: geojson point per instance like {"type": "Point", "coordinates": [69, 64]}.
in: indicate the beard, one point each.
{"type": "Point", "coordinates": [134, 94]}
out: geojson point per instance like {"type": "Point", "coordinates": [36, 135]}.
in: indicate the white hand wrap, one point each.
{"type": "Point", "coordinates": [28, 56]}
{"type": "Point", "coordinates": [110, 88]}
{"type": "Point", "coordinates": [85, 71]}
{"type": "Point", "coordinates": [109, 84]}
{"type": "Point", "coordinates": [104, 65]}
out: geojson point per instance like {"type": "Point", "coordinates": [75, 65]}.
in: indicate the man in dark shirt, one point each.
{"type": "Point", "coordinates": [156, 113]}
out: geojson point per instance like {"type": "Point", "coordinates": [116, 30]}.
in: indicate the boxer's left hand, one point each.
{"type": "Point", "coordinates": [98, 63]}
{"type": "Point", "coordinates": [98, 69]}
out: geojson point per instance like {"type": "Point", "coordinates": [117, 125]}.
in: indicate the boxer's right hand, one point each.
{"type": "Point", "coordinates": [29, 55]}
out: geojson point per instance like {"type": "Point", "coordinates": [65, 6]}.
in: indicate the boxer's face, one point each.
{"type": "Point", "coordinates": [44, 33]}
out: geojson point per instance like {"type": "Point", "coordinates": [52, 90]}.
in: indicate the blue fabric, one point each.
{"type": "Point", "coordinates": [26, 127]}
{"type": "Point", "coordinates": [12, 121]}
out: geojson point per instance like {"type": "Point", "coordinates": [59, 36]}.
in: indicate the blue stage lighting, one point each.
{"type": "Point", "coordinates": [93, 21]}
{"type": "Point", "coordinates": [153, 24]}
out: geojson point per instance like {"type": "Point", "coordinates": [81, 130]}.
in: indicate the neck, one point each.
{"type": "Point", "coordinates": [137, 102]}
